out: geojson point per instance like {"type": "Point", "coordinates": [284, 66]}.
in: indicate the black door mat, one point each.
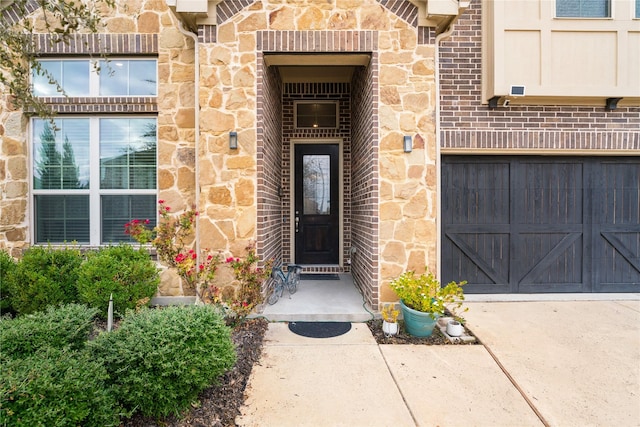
{"type": "Point", "coordinates": [323, 276]}
{"type": "Point", "coordinates": [319, 329]}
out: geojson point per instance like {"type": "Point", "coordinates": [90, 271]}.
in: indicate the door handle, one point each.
{"type": "Point", "coordinates": [297, 222]}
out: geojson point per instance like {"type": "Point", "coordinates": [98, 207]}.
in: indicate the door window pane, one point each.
{"type": "Point", "coordinates": [316, 184]}
{"type": "Point", "coordinates": [119, 209]}
{"type": "Point", "coordinates": [62, 218]}
{"type": "Point", "coordinates": [127, 153]}
{"type": "Point", "coordinates": [583, 8]}
{"type": "Point", "coordinates": [61, 155]}
{"type": "Point", "coordinates": [122, 77]}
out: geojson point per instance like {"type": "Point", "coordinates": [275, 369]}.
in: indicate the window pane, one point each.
{"type": "Point", "coordinates": [316, 185]}
{"type": "Point", "coordinates": [61, 156]}
{"type": "Point", "coordinates": [121, 77]}
{"type": "Point", "coordinates": [316, 115]}
{"type": "Point", "coordinates": [75, 78]}
{"type": "Point", "coordinates": [637, 8]}
{"type": "Point", "coordinates": [72, 75]}
{"type": "Point", "coordinates": [118, 210]}
{"type": "Point", "coordinates": [61, 219]}
{"type": "Point", "coordinates": [41, 85]}
{"type": "Point", "coordinates": [127, 153]}
{"type": "Point", "coordinates": [143, 79]}
{"type": "Point", "coordinates": [583, 8]}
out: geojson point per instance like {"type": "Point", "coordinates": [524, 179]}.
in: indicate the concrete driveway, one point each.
{"type": "Point", "coordinates": [541, 363]}
{"type": "Point", "coordinates": [578, 363]}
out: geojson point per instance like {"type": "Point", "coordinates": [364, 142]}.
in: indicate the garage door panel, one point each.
{"type": "Point", "coordinates": [551, 260]}
{"type": "Point", "coordinates": [572, 224]}
{"type": "Point", "coordinates": [478, 194]}
{"type": "Point", "coordinates": [616, 194]}
{"type": "Point", "coordinates": [616, 218]}
{"type": "Point", "coordinates": [483, 258]}
{"type": "Point", "coordinates": [619, 259]}
{"type": "Point", "coordinates": [548, 193]}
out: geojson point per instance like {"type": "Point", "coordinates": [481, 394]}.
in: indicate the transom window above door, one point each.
{"type": "Point", "coordinates": [316, 114]}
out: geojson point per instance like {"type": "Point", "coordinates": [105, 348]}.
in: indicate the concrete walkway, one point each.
{"type": "Point", "coordinates": [553, 363]}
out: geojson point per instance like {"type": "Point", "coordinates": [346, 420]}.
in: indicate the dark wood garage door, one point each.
{"type": "Point", "coordinates": [541, 224]}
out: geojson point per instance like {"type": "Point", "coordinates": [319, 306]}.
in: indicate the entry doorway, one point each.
{"type": "Point", "coordinates": [317, 205]}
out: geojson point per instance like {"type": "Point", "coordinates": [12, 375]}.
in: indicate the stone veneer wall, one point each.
{"type": "Point", "coordinates": [405, 93]}
{"type": "Point", "coordinates": [151, 31]}
{"type": "Point", "coordinates": [231, 193]}
{"type": "Point", "coordinates": [340, 92]}
{"type": "Point", "coordinates": [467, 124]}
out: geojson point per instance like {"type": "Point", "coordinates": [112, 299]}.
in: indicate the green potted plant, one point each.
{"type": "Point", "coordinates": [423, 300]}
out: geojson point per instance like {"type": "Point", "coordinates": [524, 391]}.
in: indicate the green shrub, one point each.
{"type": "Point", "coordinates": [56, 387]}
{"type": "Point", "coordinates": [58, 327]}
{"type": "Point", "coordinates": [127, 273]}
{"type": "Point", "coordinates": [160, 360]}
{"type": "Point", "coordinates": [45, 276]}
{"type": "Point", "coordinates": [7, 265]}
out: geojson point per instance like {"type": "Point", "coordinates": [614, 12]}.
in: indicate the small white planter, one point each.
{"type": "Point", "coordinates": [389, 329]}
{"type": "Point", "coordinates": [454, 328]}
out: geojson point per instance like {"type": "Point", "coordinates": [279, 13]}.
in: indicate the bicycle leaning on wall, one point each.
{"type": "Point", "coordinates": [282, 280]}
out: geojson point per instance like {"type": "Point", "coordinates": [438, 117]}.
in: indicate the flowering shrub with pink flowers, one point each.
{"type": "Point", "coordinates": [173, 240]}
{"type": "Point", "coordinates": [250, 277]}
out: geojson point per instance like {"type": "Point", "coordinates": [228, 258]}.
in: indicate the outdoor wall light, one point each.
{"type": "Point", "coordinates": [233, 140]}
{"type": "Point", "coordinates": [612, 104]}
{"type": "Point", "coordinates": [408, 144]}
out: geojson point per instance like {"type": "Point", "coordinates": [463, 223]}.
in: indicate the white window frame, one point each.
{"type": "Point", "coordinates": [94, 191]}
{"type": "Point", "coordinates": [94, 74]}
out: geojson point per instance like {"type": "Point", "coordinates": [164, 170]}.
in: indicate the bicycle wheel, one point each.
{"type": "Point", "coordinates": [275, 295]}
{"type": "Point", "coordinates": [293, 278]}
{"type": "Point", "coordinates": [278, 286]}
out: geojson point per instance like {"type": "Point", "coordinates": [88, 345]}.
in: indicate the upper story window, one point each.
{"type": "Point", "coordinates": [583, 8]}
{"type": "Point", "coordinates": [91, 175]}
{"type": "Point", "coordinates": [85, 77]}
{"type": "Point", "coordinates": [638, 9]}
{"type": "Point", "coordinates": [316, 114]}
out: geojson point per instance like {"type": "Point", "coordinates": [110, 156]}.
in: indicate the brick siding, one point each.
{"type": "Point", "coordinates": [271, 209]}
{"type": "Point", "coordinates": [365, 185]}
{"type": "Point", "coordinates": [468, 124]}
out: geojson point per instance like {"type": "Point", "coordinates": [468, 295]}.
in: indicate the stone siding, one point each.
{"type": "Point", "coordinates": [151, 32]}
{"type": "Point", "coordinates": [390, 195]}
{"type": "Point", "coordinates": [403, 95]}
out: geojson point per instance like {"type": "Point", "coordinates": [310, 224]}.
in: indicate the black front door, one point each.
{"type": "Point", "coordinates": [317, 204]}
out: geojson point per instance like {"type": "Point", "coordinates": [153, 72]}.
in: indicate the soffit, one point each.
{"type": "Point", "coordinates": [316, 68]}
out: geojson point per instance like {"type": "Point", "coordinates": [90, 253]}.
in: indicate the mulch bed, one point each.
{"type": "Point", "coordinates": [436, 338]}
{"type": "Point", "coordinates": [219, 405]}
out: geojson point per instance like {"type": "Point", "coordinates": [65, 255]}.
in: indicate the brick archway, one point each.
{"type": "Point", "coordinates": [360, 186]}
